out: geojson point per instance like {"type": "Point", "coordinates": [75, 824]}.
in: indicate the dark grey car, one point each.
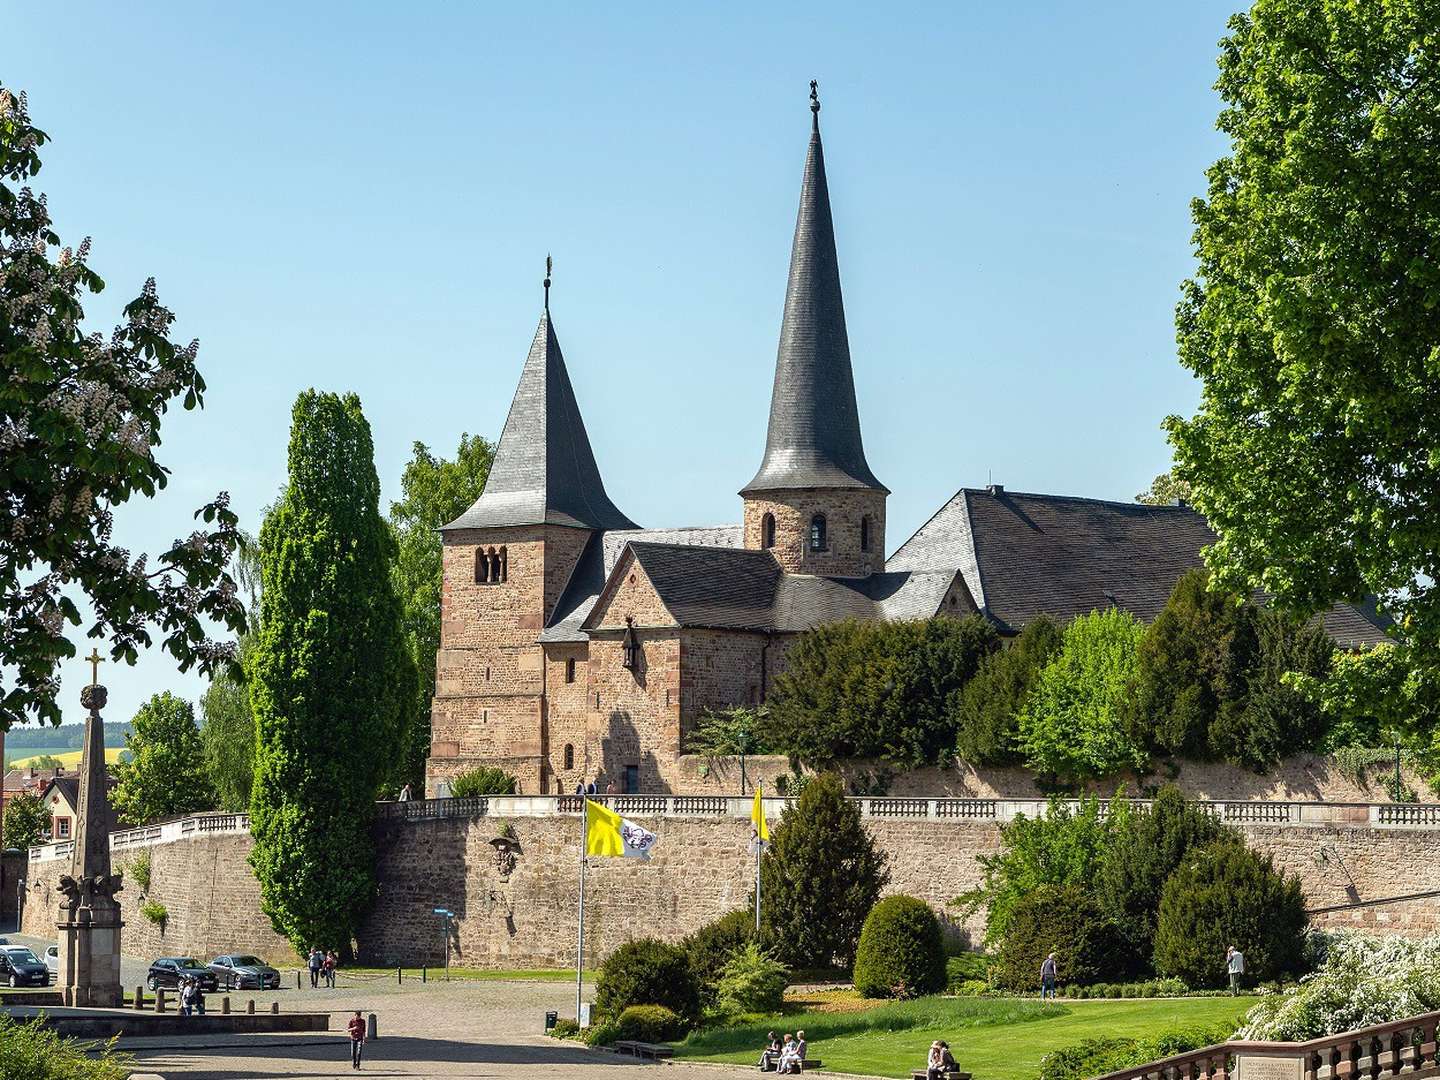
{"type": "Point", "coordinates": [169, 970]}
{"type": "Point", "coordinates": [21, 967]}
{"type": "Point", "coordinates": [239, 971]}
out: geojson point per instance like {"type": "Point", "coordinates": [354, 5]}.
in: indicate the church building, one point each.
{"type": "Point", "coordinates": [575, 644]}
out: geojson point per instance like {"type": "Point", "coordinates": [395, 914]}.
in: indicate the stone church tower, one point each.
{"type": "Point", "coordinates": [815, 504]}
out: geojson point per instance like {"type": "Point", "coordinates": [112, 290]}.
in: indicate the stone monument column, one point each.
{"type": "Point", "coordinates": [89, 918]}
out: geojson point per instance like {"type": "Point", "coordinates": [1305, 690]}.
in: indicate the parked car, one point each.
{"type": "Point", "coordinates": [241, 972]}
{"type": "Point", "coordinates": [169, 970]}
{"type": "Point", "coordinates": [21, 967]}
{"type": "Point", "coordinates": [52, 962]}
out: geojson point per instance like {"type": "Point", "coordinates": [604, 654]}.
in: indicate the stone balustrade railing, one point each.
{"type": "Point", "coordinates": [1401, 1048]}
{"type": "Point", "coordinates": [995, 811]}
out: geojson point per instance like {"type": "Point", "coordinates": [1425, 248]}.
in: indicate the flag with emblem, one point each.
{"type": "Point", "coordinates": [757, 818]}
{"type": "Point", "coordinates": [607, 833]}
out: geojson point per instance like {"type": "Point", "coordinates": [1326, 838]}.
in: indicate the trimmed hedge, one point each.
{"type": "Point", "coordinates": [902, 950]}
{"type": "Point", "coordinates": [1095, 1057]}
{"type": "Point", "coordinates": [1223, 895]}
{"type": "Point", "coordinates": [1059, 918]}
{"type": "Point", "coordinates": [650, 1023]}
{"type": "Point", "coordinates": [648, 972]}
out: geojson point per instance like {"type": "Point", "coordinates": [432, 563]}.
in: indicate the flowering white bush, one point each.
{"type": "Point", "coordinates": [1363, 980]}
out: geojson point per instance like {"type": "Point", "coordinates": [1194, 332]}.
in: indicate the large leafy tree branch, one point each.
{"type": "Point", "coordinates": [80, 417]}
{"type": "Point", "coordinates": [1312, 317]}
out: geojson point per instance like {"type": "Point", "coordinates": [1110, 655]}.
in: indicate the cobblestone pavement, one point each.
{"type": "Point", "coordinates": [481, 1029]}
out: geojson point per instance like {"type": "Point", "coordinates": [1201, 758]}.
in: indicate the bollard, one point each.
{"type": "Point", "coordinates": [424, 974]}
{"type": "Point", "coordinates": [250, 1006]}
{"type": "Point", "coordinates": [399, 975]}
{"type": "Point", "coordinates": [139, 997]}
{"type": "Point", "coordinates": [160, 999]}
{"type": "Point", "coordinates": [372, 1030]}
{"type": "Point", "coordinates": [275, 1008]}
{"type": "Point", "coordinates": [297, 980]}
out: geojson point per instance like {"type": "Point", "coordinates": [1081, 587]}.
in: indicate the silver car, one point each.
{"type": "Point", "coordinates": [52, 962]}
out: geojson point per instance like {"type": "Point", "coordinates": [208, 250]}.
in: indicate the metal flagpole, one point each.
{"type": "Point", "coordinates": [759, 847]}
{"type": "Point", "coordinates": [580, 937]}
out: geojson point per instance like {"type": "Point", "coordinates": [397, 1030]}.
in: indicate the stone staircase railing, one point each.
{"type": "Point", "coordinates": [993, 811]}
{"type": "Point", "coordinates": [1401, 1048]}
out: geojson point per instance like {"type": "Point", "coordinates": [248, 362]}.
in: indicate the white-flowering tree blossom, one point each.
{"type": "Point", "coordinates": [79, 420]}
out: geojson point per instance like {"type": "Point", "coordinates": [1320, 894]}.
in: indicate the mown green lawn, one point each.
{"type": "Point", "coordinates": [993, 1038]}
{"type": "Point", "coordinates": [436, 974]}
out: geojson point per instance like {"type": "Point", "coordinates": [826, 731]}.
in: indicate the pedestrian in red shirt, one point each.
{"type": "Point", "coordinates": [357, 1039]}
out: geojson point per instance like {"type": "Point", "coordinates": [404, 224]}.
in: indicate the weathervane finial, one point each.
{"type": "Point", "coordinates": [548, 265]}
{"type": "Point", "coordinates": [815, 104]}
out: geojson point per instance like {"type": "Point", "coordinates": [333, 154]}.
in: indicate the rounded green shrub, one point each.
{"type": "Point", "coordinates": [1224, 895]}
{"type": "Point", "coordinates": [714, 945]}
{"type": "Point", "coordinates": [902, 950]}
{"type": "Point", "coordinates": [650, 1023]}
{"type": "Point", "coordinates": [648, 972]}
{"type": "Point", "coordinates": [1063, 919]}
{"type": "Point", "coordinates": [752, 982]}
{"type": "Point", "coordinates": [605, 1033]}
{"type": "Point", "coordinates": [482, 780]}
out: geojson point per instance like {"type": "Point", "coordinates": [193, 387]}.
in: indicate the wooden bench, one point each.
{"type": "Point", "coordinates": [653, 1051]}
{"type": "Point", "coordinates": [816, 1063]}
{"type": "Point", "coordinates": [950, 1074]}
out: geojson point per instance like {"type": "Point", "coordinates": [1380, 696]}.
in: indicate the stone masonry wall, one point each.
{"type": "Point", "coordinates": [700, 869]}
{"type": "Point", "coordinates": [843, 510]}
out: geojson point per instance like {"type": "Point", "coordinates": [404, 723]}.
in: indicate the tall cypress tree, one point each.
{"type": "Point", "coordinates": [329, 680]}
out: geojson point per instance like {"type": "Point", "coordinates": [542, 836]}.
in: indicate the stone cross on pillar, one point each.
{"type": "Point", "coordinates": [89, 917]}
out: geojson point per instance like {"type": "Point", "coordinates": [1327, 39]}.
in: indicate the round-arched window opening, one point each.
{"type": "Point", "coordinates": [865, 533]}
{"type": "Point", "coordinates": [569, 756]}
{"type": "Point", "coordinates": [767, 531]}
{"type": "Point", "coordinates": [817, 533]}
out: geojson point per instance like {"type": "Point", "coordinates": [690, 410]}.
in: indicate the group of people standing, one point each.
{"type": "Point", "coordinates": [322, 964]}
{"type": "Point", "coordinates": [192, 998]}
{"type": "Point", "coordinates": [784, 1057]}
{"type": "Point", "coordinates": [593, 788]}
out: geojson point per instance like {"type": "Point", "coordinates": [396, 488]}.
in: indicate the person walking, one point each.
{"type": "Point", "coordinates": [315, 963]}
{"type": "Point", "coordinates": [1048, 974]}
{"type": "Point", "coordinates": [1235, 967]}
{"type": "Point", "coordinates": [328, 966]}
{"type": "Point", "coordinates": [357, 1038]}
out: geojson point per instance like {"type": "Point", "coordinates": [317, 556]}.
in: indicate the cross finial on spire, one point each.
{"type": "Point", "coordinates": [94, 660]}
{"type": "Point", "coordinates": [548, 265]}
{"type": "Point", "coordinates": [814, 105]}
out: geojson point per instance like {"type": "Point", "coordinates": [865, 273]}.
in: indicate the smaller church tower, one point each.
{"type": "Point", "coordinates": [815, 504]}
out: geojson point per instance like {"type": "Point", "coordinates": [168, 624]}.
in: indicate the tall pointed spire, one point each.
{"type": "Point", "coordinates": [814, 438]}
{"type": "Point", "coordinates": [544, 472]}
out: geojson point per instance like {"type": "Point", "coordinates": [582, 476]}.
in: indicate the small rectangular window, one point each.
{"type": "Point", "coordinates": [62, 828]}
{"type": "Point", "coordinates": [632, 779]}
{"type": "Point", "coordinates": [570, 670]}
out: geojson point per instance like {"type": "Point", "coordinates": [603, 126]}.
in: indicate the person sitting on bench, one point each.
{"type": "Point", "coordinates": [789, 1056]}
{"type": "Point", "coordinates": [771, 1054]}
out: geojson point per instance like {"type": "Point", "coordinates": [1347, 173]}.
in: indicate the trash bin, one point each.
{"type": "Point", "coordinates": [550, 1019]}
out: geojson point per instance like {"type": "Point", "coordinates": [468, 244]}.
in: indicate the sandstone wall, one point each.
{"type": "Point", "coordinates": [701, 868]}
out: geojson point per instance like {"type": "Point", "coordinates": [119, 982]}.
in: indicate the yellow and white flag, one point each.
{"type": "Point", "coordinates": [607, 833]}
{"type": "Point", "coordinates": [757, 818]}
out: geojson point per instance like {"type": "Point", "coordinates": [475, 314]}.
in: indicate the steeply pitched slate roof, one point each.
{"type": "Point", "coordinates": [745, 589]}
{"type": "Point", "coordinates": [599, 558]}
{"type": "Point", "coordinates": [814, 436]}
{"type": "Point", "coordinates": [1024, 555]}
{"type": "Point", "coordinates": [544, 471]}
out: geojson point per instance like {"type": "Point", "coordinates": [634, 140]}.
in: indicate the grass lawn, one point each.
{"type": "Point", "coordinates": [437, 974]}
{"type": "Point", "coordinates": [993, 1038]}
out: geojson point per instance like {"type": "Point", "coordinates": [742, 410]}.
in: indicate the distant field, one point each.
{"type": "Point", "coordinates": [69, 758]}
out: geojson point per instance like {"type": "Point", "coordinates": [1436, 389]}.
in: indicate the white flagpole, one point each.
{"type": "Point", "coordinates": [580, 937]}
{"type": "Point", "coordinates": [759, 847]}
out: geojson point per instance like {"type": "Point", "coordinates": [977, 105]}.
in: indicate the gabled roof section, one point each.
{"type": "Point", "coordinates": [544, 471]}
{"type": "Point", "coordinates": [814, 436]}
{"type": "Point", "coordinates": [598, 561]}
{"type": "Point", "coordinates": [1024, 555]}
{"type": "Point", "coordinates": [729, 588]}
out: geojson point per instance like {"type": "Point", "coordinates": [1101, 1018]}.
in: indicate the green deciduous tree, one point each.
{"type": "Point", "coordinates": [165, 774]}
{"type": "Point", "coordinates": [1140, 858]}
{"type": "Point", "coordinates": [1375, 697]}
{"type": "Point", "coordinates": [1073, 725]}
{"type": "Point", "coordinates": [1063, 919]}
{"type": "Point", "coordinates": [227, 727]}
{"type": "Point", "coordinates": [27, 820]}
{"type": "Point", "coordinates": [819, 878]}
{"type": "Point", "coordinates": [1224, 895]}
{"type": "Point", "coordinates": [79, 420]}
{"type": "Point", "coordinates": [330, 680]}
{"type": "Point", "coordinates": [433, 492]}
{"type": "Point", "coordinates": [1311, 318]}
{"type": "Point", "coordinates": [1165, 490]}
{"type": "Point", "coordinates": [987, 714]}
{"type": "Point", "coordinates": [876, 689]}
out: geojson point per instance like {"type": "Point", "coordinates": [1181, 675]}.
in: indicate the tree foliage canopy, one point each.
{"type": "Point", "coordinates": [27, 820]}
{"type": "Point", "coordinates": [1311, 319]}
{"type": "Point", "coordinates": [165, 774]}
{"type": "Point", "coordinates": [227, 723]}
{"type": "Point", "coordinates": [987, 714]}
{"type": "Point", "coordinates": [330, 681]}
{"type": "Point", "coordinates": [433, 492]}
{"type": "Point", "coordinates": [819, 878]}
{"type": "Point", "coordinates": [79, 420]}
{"type": "Point", "coordinates": [876, 689]}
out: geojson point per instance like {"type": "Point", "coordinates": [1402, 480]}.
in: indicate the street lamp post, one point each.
{"type": "Point", "coordinates": [744, 740]}
{"type": "Point", "coordinates": [19, 904]}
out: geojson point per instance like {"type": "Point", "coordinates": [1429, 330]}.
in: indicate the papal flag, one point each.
{"type": "Point", "coordinates": [757, 818]}
{"type": "Point", "coordinates": [607, 833]}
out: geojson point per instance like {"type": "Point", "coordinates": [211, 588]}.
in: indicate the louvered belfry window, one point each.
{"type": "Point", "coordinates": [817, 533]}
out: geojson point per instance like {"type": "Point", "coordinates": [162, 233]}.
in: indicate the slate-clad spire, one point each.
{"type": "Point", "coordinates": [544, 471]}
{"type": "Point", "coordinates": [814, 439]}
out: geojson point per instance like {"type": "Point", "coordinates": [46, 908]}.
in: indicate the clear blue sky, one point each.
{"type": "Point", "coordinates": [360, 196]}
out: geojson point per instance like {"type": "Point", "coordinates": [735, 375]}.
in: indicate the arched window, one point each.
{"type": "Point", "coordinates": [482, 567]}
{"type": "Point", "coordinates": [767, 531]}
{"type": "Point", "coordinates": [490, 566]}
{"type": "Point", "coordinates": [569, 756]}
{"type": "Point", "coordinates": [502, 565]}
{"type": "Point", "coordinates": [817, 533]}
{"type": "Point", "coordinates": [569, 674]}
{"type": "Point", "coordinates": [865, 533]}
